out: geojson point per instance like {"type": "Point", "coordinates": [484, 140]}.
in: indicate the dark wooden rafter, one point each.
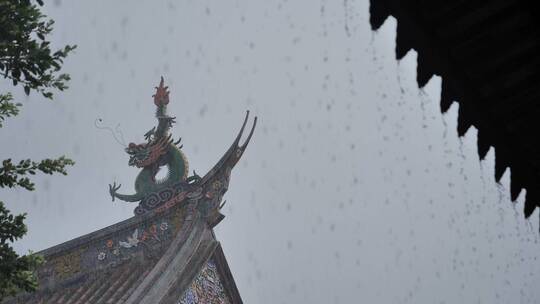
{"type": "Point", "coordinates": [488, 55]}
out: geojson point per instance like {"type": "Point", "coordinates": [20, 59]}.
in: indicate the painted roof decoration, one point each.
{"type": "Point", "coordinates": [487, 54]}
{"type": "Point", "coordinates": [167, 253]}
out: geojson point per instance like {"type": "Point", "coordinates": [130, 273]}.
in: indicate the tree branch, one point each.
{"type": "Point", "coordinates": [13, 175]}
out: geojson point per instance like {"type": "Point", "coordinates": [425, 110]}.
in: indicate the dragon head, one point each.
{"type": "Point", "coordinates": [138, 154]}
{"type": "Point", "coordinates": [143, 155]}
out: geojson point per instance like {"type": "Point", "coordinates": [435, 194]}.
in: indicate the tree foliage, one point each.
{"type": "Point", "coordinates": [16, 272]}
{"type": "Point", "coordinates": [27, 60]}
{"type": "Point", "coordinates": [25, 54]}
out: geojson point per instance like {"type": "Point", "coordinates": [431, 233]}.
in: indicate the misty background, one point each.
{"type": "Point", "coordinates": [354, 187]}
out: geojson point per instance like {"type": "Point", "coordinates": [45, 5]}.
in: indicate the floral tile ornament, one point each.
{"type": "Point", "coordinates": [155, 233]}
{"type": "Point", "coordinates": [102, 256]}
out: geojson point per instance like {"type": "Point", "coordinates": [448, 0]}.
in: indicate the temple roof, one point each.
{"type": "Point", "coordinates": [151, 259]}
{"type": "Point", "coordinates": [487, 53]}
{"type": "Point", "coordinates": [166, 255]}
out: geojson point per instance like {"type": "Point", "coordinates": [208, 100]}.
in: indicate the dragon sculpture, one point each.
{"type": "Point", "coordinates": [160, 152]}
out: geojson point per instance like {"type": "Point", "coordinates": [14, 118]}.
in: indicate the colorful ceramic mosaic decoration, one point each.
{"type": "Point", "coordinates": [206, 288]}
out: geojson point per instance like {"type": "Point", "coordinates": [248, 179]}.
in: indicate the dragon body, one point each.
{"type": "Point", "coordinates": [161, 152]}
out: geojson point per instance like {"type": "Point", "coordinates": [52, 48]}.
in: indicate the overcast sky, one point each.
{"type": "Point", "coordinates": [354, 187]}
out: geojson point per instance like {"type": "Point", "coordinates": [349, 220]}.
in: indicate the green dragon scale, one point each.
{"type": "Point", "coordinates": [161, 151]}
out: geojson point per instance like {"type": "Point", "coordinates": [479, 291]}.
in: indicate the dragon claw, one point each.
{"type": "Point", "coordinates": [113, 188]}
